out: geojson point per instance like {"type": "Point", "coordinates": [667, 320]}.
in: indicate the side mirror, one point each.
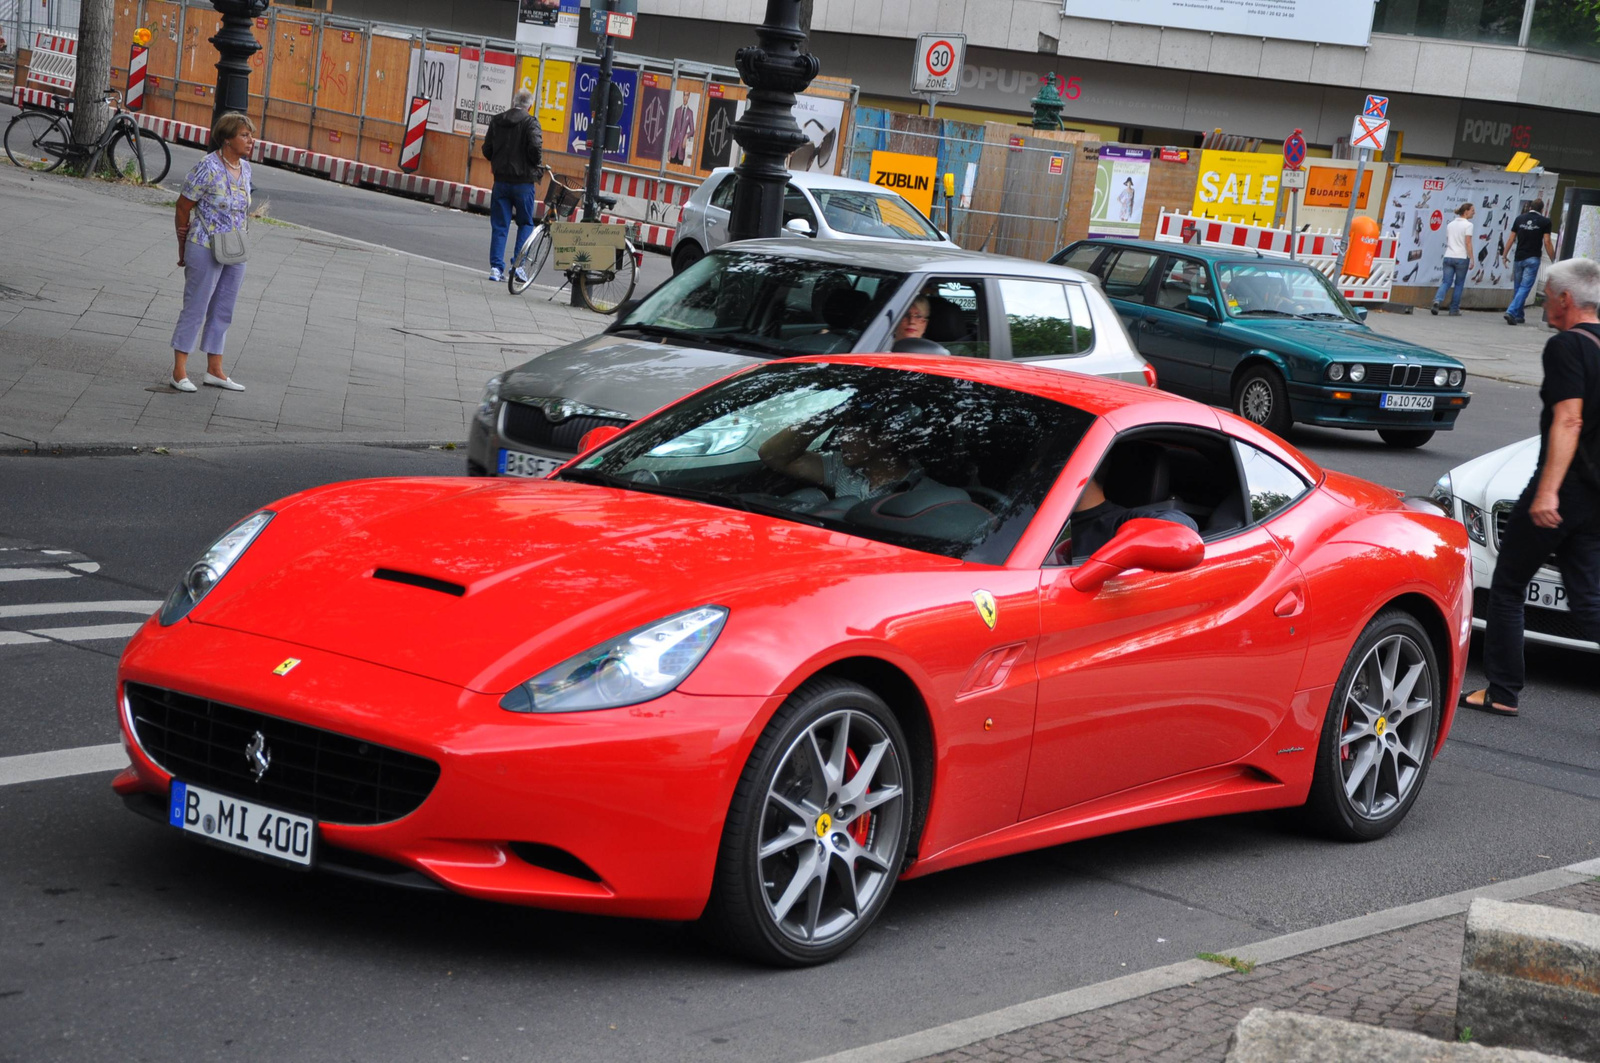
{"type": "Point", "coordinates": [1144, 542]}
{"type": "Point", "coordinates": [799, 226]}
{"type": "Point", "coordinates": [1199, 304]}
{"type": "Point", "coordinates": [598, 437]}
{"type": "Point", "coordinates": [1361, 314]}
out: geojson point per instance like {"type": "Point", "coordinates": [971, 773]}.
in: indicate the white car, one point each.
{"type": "Point", "coordinates": [815, 205]}
{"type": "Point", "coordinates": [1480, 495]}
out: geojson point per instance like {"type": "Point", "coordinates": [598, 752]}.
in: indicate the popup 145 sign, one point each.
{"type": "Point", "coordinates": [1239, 185]}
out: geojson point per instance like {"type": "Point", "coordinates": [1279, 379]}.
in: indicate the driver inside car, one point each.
{"type": "Point", "coordinates": [1095, 519]}
{"type": "Point", "coordinates": [857, 463]}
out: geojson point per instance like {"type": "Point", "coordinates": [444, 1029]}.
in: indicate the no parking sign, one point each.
{"type": "Point", "coordinates": [937, 65]}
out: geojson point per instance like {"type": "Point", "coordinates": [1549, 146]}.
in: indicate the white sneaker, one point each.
{"type": "Point", "coordinates": [496, 276]}
{"type": "Point", "coordinates": [183, 384]}
{"type": "Point", "coordinates": [522, 276]}
{"type": "Point", "coordinates": [226, 383]}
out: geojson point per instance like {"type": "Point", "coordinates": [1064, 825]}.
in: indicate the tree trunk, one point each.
{"type": "Point", "coordinates": [89, 112]}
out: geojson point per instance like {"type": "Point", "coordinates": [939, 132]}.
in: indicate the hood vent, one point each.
{"type": "Point", "coordinates": [427, 583]}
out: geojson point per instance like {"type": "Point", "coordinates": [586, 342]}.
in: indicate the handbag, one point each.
{"type": "Point", "coordinates": [229, 248]}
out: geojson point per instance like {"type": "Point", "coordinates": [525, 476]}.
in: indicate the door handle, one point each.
{"type": "Point", "coordinates": [1292, 604]}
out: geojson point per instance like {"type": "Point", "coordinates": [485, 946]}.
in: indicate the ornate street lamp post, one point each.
{"type": "Point", "coordinates": [235, 43]}
{"type": "Point", "coordinates": [775, 69]}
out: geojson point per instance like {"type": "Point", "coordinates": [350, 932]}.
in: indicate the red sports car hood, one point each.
{"type": "Point", "coordinates": [516, 577]}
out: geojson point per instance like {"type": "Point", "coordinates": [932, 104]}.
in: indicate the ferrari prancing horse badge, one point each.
{"type": "Point", "coordinates": [987, 608]}
{"type": "Point", "coordinates": [289, 662]}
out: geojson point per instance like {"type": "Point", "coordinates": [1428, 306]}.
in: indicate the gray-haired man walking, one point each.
{"type": "Point", "coordinates": [1559, 511]}
{"type": "Point", "coordinates": [515, 150]}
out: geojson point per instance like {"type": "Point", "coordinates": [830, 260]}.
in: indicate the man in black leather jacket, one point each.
{"type": "Point", "coordinates": [514, 147]}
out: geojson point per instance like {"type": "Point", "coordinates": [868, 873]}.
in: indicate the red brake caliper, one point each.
{"type": "Point", "coordinates": [861, 827]}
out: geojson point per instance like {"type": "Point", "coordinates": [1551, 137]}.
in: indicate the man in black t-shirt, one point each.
{"type": "Point", "coordinates": [1559, 511]}
{"type": "Point", "coordinates": [1530, 229]}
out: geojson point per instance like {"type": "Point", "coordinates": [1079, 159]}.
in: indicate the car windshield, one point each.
{"type": "Point", "coordinates": [1279, 289]}
{"type": "Point", "coordinates": [764, 304]}
{"type": "Point", "coordinates": [928, 462]}
{"type": "Point", "coordinates": [884, 215]}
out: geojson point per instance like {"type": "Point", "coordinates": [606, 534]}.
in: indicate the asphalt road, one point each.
{"type": "Point", "coordinates": [118, 937]}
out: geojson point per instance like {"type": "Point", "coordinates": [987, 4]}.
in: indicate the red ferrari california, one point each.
{"type": "Point", "coordinates": [823, 625]}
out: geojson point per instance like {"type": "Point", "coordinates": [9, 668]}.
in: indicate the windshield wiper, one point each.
{"type": "Point", "coordinates": [1263, 310]}
{"type": "Point", "coordinates": [1316, 315]}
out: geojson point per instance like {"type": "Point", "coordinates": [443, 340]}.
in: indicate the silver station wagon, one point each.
{"type": "Point", "coordinates": [764, 299]}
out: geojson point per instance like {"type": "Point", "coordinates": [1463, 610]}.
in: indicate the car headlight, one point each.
{"type": "Point", "coordinates": [1335, 371]}
{"type": "Point", "coordinates": [1456, 377]}
{"type": "Point", "coordinates": [1441, 377]}
{"type": "Point", "coordinates": [1477, 526]}
{"type": "Point", "coordinates": [212, 566]}
{"type": "Point", "coordinates": [1444, 492]}
{"type": "Point", "coordinates": [714, 437]}
{"type": "Point", "coordinates": [491, 397]}
{"type": "Point", "coordinates": [643, 664]}
{"type": "Point", "coordinates": [1358, 373]}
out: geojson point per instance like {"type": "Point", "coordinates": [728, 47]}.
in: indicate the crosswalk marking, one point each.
{"type": "Point", "coordinates": [86, 633]}
{"type": "Point", "coordinates": [141, 606]}
{"type": "Point", "coordinates": [77, 632]}
{"type": "Point", "coordinates": [14, 575]}
{"type": "Point", "coordinates": [59, 763]}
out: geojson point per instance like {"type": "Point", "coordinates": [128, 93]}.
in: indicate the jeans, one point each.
{"type": "Point", "coordinates": [1524, 271]}
{"type": "Point", "coordinates": [209, 292]}
{"type": "Point", "coordinates": [505, 202]}
{"type": "Point", "coordinates": [1523, 548]}
{"type": "Point", "coordinates": [1455, 273]}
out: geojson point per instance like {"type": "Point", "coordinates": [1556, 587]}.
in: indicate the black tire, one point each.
{"type": "Point", "coordinates": [1406, 746]}
{"type": "Point", "coordinates": [531, 259]}
{"type": "Point", "coordinates": [1408, 438]}
{"type": "Point", "coordinates": [813, 854]}
{"type": "Point", "coordinates": [685, 253]}
{"type": "Point", "coordinates": [125, 158]}
{"type": "Point", "coordinates": [1261, 399]}
{"type": "Point", "coordinates": [37, 141]}
{"type": "Point", "coordinates": [604, 291]}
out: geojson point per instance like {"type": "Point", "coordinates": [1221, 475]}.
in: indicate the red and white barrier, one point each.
{"type": "Point", "coordinates": [1321, 250]}
{"type": "Point", "coordinates": [416, 126]}
{"type": "Point", "coordinates": [138, 61]}
{"type": "Point", "coordinates": [653, 204]}
{"type": "Point", "coordinates": [55, 60]}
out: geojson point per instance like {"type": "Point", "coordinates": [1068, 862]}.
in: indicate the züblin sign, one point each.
{"type": "Point", "coordinates": [910, 175]}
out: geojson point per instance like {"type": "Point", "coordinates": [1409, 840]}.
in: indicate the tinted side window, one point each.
{"type": "Point", "coordinates": [723, 195]}
{"type": "Point", "coordinates": [1127, 274]}
{"type": "Point", "coordinates": [1082, 257]}
{"type": "Point", "coordinates": [1272, 484]}
{"type": "Point", "coordinates": [1182, 278]}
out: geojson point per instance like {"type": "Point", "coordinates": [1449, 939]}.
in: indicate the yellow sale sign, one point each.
{"type": "Point", "coordinates": [1238, 185]}
{"type": "Point", "coordinates": [551, 93]}
{"type": "Point", "coordinates": [910, 175]}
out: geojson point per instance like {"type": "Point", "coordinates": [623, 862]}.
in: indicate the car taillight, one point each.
{"type": "Point", "coordinates": [1150, 374]}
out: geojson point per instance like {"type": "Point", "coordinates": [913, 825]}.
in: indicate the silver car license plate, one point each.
{"type": "Point", "coordinates": [516, 463]}
{"type": "Point", "coordinates": [241, 824]}
{"type": "Point", "coordinates": [1405, 402]}
{"type": "Point", "coordinates": [1548, 594]}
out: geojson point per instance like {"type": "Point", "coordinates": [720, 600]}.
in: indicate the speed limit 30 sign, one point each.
{"type": "Point", "coordinates": [937, 65]}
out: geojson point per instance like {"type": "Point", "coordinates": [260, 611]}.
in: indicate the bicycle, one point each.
{"type": "Point", "coordinates": [602, 289]}
{"type": "Point", "coordinates": [42, 140]}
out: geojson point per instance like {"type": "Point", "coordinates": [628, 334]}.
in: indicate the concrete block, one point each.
{"type": "Point", "coordinates": [1530, 976]}
{"type": "Point", "coordinates": [1266, 1036]}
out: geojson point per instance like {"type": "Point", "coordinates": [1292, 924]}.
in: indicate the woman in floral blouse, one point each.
{"type": "Point", "coordinates": [215, 199]}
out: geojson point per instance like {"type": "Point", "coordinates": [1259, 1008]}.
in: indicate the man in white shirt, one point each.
{"type": "Point", "coordinates": [1457, 257]}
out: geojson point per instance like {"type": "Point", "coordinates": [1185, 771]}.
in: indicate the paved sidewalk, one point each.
{"type": "Point", "coordinates": [1398, 968]}
{"type": "Point", "coordinates": [335, 340]}
{"type": "Point", "coordinates": [1483, 341]}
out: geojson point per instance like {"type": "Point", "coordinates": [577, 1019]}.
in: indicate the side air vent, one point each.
{"type": "Point", "coordinates": [552, 859]}
{"type": "Point", "coordinates": [427, 583]}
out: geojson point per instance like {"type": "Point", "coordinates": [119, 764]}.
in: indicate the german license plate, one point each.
{"type": "Point", "coordinates": [516, 463]}
{"type": "Point", "coordinates": [1405, 402]}
{"type": "Point", "coordinates": [241, 824]}
{"type": "Point", "coordinates": [1548, 594]}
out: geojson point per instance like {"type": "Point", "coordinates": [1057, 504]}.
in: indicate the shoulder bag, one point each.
{"type": "Point", "coordinates": [230, 248]}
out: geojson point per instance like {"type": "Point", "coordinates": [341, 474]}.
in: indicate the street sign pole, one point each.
{"type": "Point", "coordinates": [1377, 109]}
{"type": "Point", "coordinates": [1294, 157]}
{"type": "Point", "coordinates": [933, 103]}
{"type": "Point", "coordinates": [1355, 194]}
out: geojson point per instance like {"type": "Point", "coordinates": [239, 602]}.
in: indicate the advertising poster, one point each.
{"type": "Point", "coordinates": [655, 112]}
{"type": "Point", "coordinates": [1293, 20]}
{"type": "Point", "coordinates": [1330, 187]}
{"type": "Point", "coordinates": [488, 85]}
{"type": "Point", "coordinates": [1120, 181]}
{"type": "Point", "coordinates": [717, 146]}
{"type": "Point", "coordinates": [585, 79]}
{"type": "Point", "coordinates": [819, 118]}
{"type": "Point", "coordinates": [1587, 244]}
{"type": "Point", "coordinates": [1422, 202]}
{"type": "Point", "coordinates": [551, 91]}
{"type": "Point", "coordinates": [433, 74]}
{"type": "Point", "coordinates": [913, 176]}
{"type": "Point", "coordinates": [1238, 186]}
{"type": "Point", "coordinates": [548, 22]}
{"type": "Point", "coordinates": [683, 125]}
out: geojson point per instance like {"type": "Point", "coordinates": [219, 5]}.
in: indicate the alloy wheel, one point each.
{"type": "Point", "coordinates": [1386, 725]}
{"type": "Point", "coordinates": [1255, 402]}
{"type": "Point", "coordinates": [831, 827]}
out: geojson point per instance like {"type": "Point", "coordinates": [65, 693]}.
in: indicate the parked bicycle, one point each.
{"type": "Point", "coordinates": [602, 287]}
{"type": "Point", "coordinates": [42, 140]}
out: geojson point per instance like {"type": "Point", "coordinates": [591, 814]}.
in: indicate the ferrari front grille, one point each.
{"type": "Point", "coordinates": [527, 424]}
{"type": "Point", "coordinates": [331, 777]}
